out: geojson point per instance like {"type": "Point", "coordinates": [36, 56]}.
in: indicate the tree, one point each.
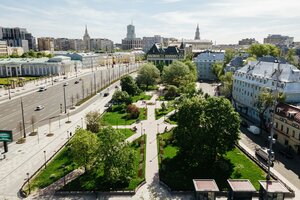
{"type": "Point", "coordinates": [207, 128]}
{"type": "Point", "coordinates": [129, 85]}
{"type": "Point", "coordinates": [290, 56]}
{"type": "Point", "coordinates": [229, 54]}
{"type": "Point", "coordinates": [178, 74]}
{"type": "Point", "coordinates": [148, 75]}
{"type": "Point", "coordinates": [218, 69]}
{"type": "Point", "coordinates": [120, 97]}
{"type": "Point", "coordinates": [164, 106]}
{"type": "Point", "coordinates": [226, 87]}
{"type": "Point", "coordinates": [133, 111]}
{"type": "Point", "coordinates": [266, 100]}
{"type": "Point", "coordinates": [83, 148]}
{"type": "Point", "coordinates": [116, 156]}
{"type": "Point", "coordinates": [260, 50]}
{"type": "Point", "coordinates": [92, 120]}
{"type": "Point", "coordinates": [172, 92]}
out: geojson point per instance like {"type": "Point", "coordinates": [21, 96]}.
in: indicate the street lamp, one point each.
{"type": "Point", "coordinates": [64, 87]}
{"type": "Point", "coordinates": [23, 120]}
{"type": "Point", "coordinates": [141, 128]}
{"type": "Point", "coordinates": [28, 182]}
{"type": "Point", "coordinates": [45, 159]}
{"type": "Point", "coordinates": [68, 135]}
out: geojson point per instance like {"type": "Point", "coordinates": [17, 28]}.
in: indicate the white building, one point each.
{"type": "Point", "coordinates": [35, 66]}
{"type": "Point", "coordinates": [250, 80]}
{"type": "Point", "coordinates": [204, 62]}
{"type": "Point", "coordinates": [3, 48]}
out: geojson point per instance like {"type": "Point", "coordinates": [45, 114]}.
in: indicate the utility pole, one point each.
{"type": "Point", "coordinates": [23, 121]}
{"type": "Point", "coordinates": [95, 83]}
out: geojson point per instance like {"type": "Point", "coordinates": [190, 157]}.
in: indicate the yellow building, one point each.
{"type": "Point", "coordinates": [287, 126]}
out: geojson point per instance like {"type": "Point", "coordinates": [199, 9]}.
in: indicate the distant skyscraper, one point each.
{"type": "Point", "coordinates": [17, 37]}
{"type": "Point", "coordinates": [86, 40]}
{"type": "Point", "coordinates": [131, 42]}
{"type": "Point", "coordinates": [130, 32]}
{"type": "Point", "coordinates": [197, 34]}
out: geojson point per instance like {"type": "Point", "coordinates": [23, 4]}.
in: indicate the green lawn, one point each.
{"type": "Point", "coordinates": [159, 112]}
{"type": "Point", "coordinates": [127, 132]}
{"type": "Point", "coordinates": [118, 116]}
{"type": "Point", "coordinates": [53, 171]}
{"type": "Point", "coordinates": [94, 180]}
{"type": "Point", "coordinates": [3, 81]}
{"type": "Point", "coordinates": [178, 176]}
{"type": "Point", "coordinates": [142, 96]}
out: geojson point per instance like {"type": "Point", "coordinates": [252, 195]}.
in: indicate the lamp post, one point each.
{"type": "Point", "coordinates": [23, 120]}
{"type": "Point", "coordinates": [28, 182]}
{"type": "Point", "coordinates": [141, 129]}
{"type": "Point", "coordinates": [68, 135]}
{"type": "Point", "coordinates": [45, 159]}
{"type": "Point", "coordinates": [65, 103]}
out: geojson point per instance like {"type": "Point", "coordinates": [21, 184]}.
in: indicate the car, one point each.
{"type": "Point", "coordinates": [105, 94]}
{"type": "Point", "coordinates": [42, 88]}
{"type": "Point", "coordinates": [55, 80]}
{"type": "Point", "coordinates": [65, 77]}
{"type": "Point", "coordinates": [116, 87]}
{"type": "Point", "coordinates": [40, 107]}
{"type": "Point", "coordinates": [76, 82]}
{"type": "Point", "coordinates": [65, 84]}
{"type": "Point", "coordinates": [254, 130]}
{"type": "Point", "coordinates": [108, 105]}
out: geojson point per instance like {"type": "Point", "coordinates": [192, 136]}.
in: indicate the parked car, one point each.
{"type": "Point", "coordinates": [55, 80]}
{"type": "Point", "coordinates": [40, 107]}
{"type": "Point", "coordinates": [264, 154]}
{"type": "Point", "coordinates": [254, 130]}
{"type": "Point", "coordinates": [65, 84]}
{"type": "Point", "coordinates": [65, 77]}
{"type": "Point", "coordinates": [76, 82]}
{"type": "Point", "coordinates": [105, 94]}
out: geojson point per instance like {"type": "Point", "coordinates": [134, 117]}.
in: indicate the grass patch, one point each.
{"type": "Point", "coordinates": [127, 132]}
{"type": "Point", "coordinates": [178, 175]}
{"type": "Point", "coordinates": [141, 96]}
{"type": "Point", "coordinates": [172, 119]}
{"type": "Point", "coordinates": [118, 116]}
{"type": "Point", "coordinates": [85, 99]}
{"type": "Point", "coordinates": [159, 112]}
{"type": "Point", "coordinates": [3, 81]}
{"type": "Point", "coordinates": [94, 180]}
{"type": "Point", "coordinates": [54, 170]}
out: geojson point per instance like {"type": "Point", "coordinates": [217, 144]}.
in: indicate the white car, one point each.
{"type": "Point", "coordinates": [65, 84]}
{"type": "Point", "coordinates": [40, 107]}
{"type": "Point", "coordinates": [254, 130]}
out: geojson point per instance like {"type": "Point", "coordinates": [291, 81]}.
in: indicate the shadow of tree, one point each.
{"type": "Point", "coordinates": [178, 174]}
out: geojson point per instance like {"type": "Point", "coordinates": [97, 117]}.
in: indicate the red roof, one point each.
{"type": "Point", "coordinates": [285, 109]}
{"type": "Point", "coordinates": [205, 185]}
{"type": "Point", "coordinates": [241, 185]}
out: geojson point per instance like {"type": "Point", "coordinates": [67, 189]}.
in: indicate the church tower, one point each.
{"type": "Point", "coordinates": [86, 40]}
{"type": "Point", "coordinates": [197, 34]}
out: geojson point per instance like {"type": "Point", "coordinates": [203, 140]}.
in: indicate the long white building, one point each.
{"type": "Point", "coordinates": [250, 80]}
{"type": "Point", "coordinates": [35, 66]}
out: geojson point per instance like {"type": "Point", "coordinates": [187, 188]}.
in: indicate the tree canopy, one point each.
{"type": "Point", "coordinates": [129, 85]}
{"type": "Point", "coordinates": [179, 74]}
{"type": "Point", "coordinates": [229, 54]}
{"type": "Point", "coordinates": [83, 148]}
{"type": "Point", "coordinates": [92, 120]}
{"type": "Point", "coordinates": [148, 75]}
{"type": "Point", "coordinates": [260, 50]}
{"type": "Point", "coordinates": [207, 128]}
{"type": "Point", "coordinates": [120, 97]}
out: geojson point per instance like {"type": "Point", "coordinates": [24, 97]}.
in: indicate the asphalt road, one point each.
{"type": "Point", "coordinates": [10, 112]}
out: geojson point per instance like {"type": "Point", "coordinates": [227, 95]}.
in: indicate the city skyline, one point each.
{"type": "Point", "coordinates": [220, 21]}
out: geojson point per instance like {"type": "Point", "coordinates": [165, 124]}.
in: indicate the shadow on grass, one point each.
{"type": "Point", "coordinates": [178, 175]}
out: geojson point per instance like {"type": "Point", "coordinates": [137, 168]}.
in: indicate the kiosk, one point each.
{"type": "Point", "coordinates": [240, 189]}
{"type": "Point", "coordinates": [272, 190]}
{"type": "Point", "coordinates": [205, 189]}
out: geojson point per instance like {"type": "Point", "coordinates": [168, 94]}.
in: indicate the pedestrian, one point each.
{"type": "Point", "coordinates": [70, 133]}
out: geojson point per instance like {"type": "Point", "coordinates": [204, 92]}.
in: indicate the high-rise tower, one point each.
{"type": "Point", "coordinates": [197, 34]}
{"type": "Point", "coordinates": [130, 32]}
{"type": "Point", "coordinates": [86, 40]}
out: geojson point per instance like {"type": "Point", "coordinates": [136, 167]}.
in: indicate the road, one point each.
{"type": "Point", "coordinates": [51, 99]}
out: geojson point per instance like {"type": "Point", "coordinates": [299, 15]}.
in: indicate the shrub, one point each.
{"type": "Point", "coordinates": [133, 111]}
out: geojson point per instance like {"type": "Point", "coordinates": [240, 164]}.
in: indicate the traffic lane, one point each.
{"type": "Point", "coordinates": [286, 167]}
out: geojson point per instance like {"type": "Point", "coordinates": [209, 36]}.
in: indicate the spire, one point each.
{"type": "Point", "coordinates": [86, 31]}
{"type": "Point", "coordinates": [197, 34]}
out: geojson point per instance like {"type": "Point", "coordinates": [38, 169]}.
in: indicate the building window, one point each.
{"type": "Point", "coordinates": [286, 142]}
{"type": "Point", "coordinates": [281, 127]}
{"type": "Point", "coordinates": [287, 130]}
{"type": "Point", "coordinates": [293, 134]}
{"type": "Point", "coordinates": [276, 124]}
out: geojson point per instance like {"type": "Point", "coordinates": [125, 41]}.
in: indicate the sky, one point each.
{"type": "Point", "coordinates": [222, 21]}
